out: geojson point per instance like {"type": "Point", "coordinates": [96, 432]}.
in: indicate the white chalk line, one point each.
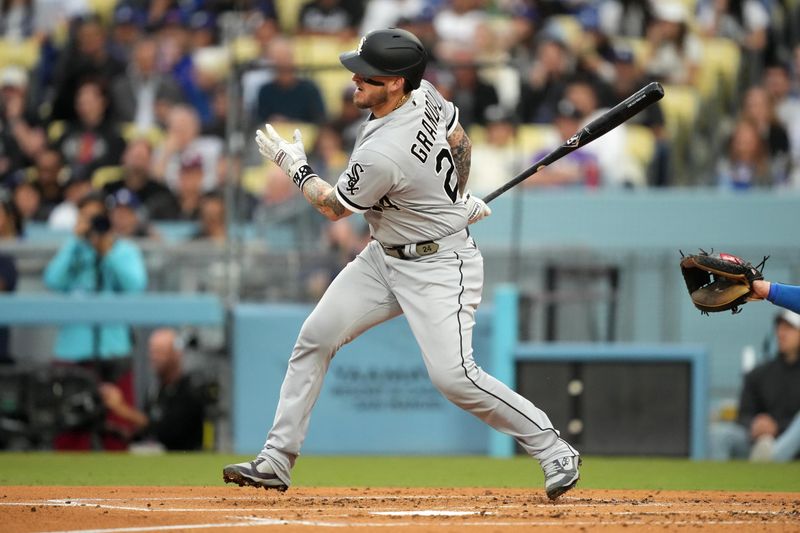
{"type": "Point", "coordinates": [261, 522]}
{"type": "Point", "coordinates": [238, 521]}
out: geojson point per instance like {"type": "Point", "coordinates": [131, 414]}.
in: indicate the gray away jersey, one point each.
{"type": "Point", "coordinates": [401, 174]}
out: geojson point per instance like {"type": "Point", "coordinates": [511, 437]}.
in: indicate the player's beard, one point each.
{"type": "Point", "coordinates": [363, 100]}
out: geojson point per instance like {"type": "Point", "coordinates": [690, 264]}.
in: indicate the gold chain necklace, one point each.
{"type": "Point", "coordinates": [401, 101]}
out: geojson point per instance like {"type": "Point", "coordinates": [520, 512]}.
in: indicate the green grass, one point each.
{"type": "Point", "coordinates": [205, 469]}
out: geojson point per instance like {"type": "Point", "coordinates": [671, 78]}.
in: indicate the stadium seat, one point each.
{"type": "Point", "coordinates": [153, 134]}
{"type": "Point", "coordinates": [567, 27]}
{"type": "Point", "coordinates": [476, 134]}
{"type": "Point", "coordinates": [638, 47]}
{"type": "Point", "coordinates": [332, 84]}
{"type": "Point", "coordinates": [254, 178]}
{"type": "Point", "coordinates": [55, 130]}
{"type": "Point", "coordinates": [104, 9]}
{"type": "Point", "coordinates": [245, 49]}
{"type": "Point", "coordinates": [641, 143]}
{"type": "Point", "coordinates": [719, 68]}
{"type": "Point", "coordinates": [308, 131]}
{"type": "Point", "coordinates": [533, 138]}
{"type": "Point", "coordinates": [104, 175]}
{"type": "Point", "coordinates": [530, 138]}
{"type": "Point", "coordinates": [21, 53]}
{"type": "Point", "coordinates": [680, 106]}
{"type": "Point", "coordinates": [289, 14]}
{"type": "Point", "coordinates": [313, 51]}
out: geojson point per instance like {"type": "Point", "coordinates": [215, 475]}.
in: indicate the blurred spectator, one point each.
{"type": "Point", "coordinates": [48, 175]}
{"type": "Point", "coordinates": [174, 411]}
{"type": "Point", "coordinates": [92, 140]}
{"type": "Point", "coordinates": [578, 168]}
{"type": "Point", "coordinates": [673, 51]}
{"type": "Point", "coordinates": [28, 200]}
{"type": "Point", "coordinates": [339, 18]}
{"type": "Point", "coordinates": [212, 218]}
{"type": "Point", "coordinates": [349, 120]}
{"type": "Point", "coordinates": [209, 70]}
{"type": "Point", "coordinates": [174, 48]}
{"type": "Point", "coordinates": [618, 168]}
{"type": "Point", "coordinates": [458, 22]}
{"type": "Point", "coordinates": [21, 133]}
{"type": "Point", "coordinates": [380, 14]}
{"type": "Point", "coordinates": [127, 219]}
{"type": "Point", "coordinates": [629, 78]}
{"type": "Point", "coordinates": [217, 124]}
{"type": "Point", "coordinates": [758, 109]}
{"type": "Point", "coordinates": [545, 82]}
{"type": "Point", "coordinates": [470, 94]}
{"type": "Point", "coordinates": [126, 29]}
{"type": "Point", "coordinates": [778, 83]}
{"type": "Point", "coordinates": [263, 23]}
{"type": "Point", "coordinates": [182, 137]}
{"type": "Point", "coordinates": [747, 22]}
{"type": "Point", "coordinates": [136, 92]}
{"type": "Point", "coordinates": [190, 187]}
{"type": "Point", "coordinates": [16, 19]}
{"type": "Point", "coordinates": [86, 55]}
{"type": "Point", "coordinates": [625, 18]}
{"type": "Point", "coordinates": [203, 29]}
{"type": "Point", "coordinates": [64, 216]}
{"type": "Point", "coordinates": [156, 198]}
{"type": "Point", "coordinates": [8, 283]}
{"type": "Point", "coordinates": [328, 154]}
{"type": "Point", "coordinates": [276, 192]}
{"type": "Point", "coordinates": [768, 422]}
{"type": "Point", "coordinates": [95, 260]}
{"type": "Point", "coordinates": [595, 50]}
{"type": "Point", "coordinates": [288, 97]}
{"type": "Point", "coordinates": [342, 241]}
{"type": "Point", "coordinates": [11, 223]}
{"type": "Point", "coordinates": [745, 164]}
{"type": "Point", "coordinates": [497, 158]}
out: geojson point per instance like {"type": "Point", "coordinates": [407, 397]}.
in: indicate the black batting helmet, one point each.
{"type": "Point", "coordinates": [391, 52]}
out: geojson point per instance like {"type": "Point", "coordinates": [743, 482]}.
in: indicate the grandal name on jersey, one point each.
{"type": "Point", "coordinates": [427, 132]}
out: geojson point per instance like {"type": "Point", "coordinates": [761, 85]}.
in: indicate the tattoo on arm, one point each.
{"type": "Point", "coordinates": [322, 196]}
{"type": "Point", "coordinates": [461, 147]}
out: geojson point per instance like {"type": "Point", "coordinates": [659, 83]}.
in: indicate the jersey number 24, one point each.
{"type": "Point", "coordinates": [450, 181]}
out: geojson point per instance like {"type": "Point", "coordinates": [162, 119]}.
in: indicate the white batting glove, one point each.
{"type": "Point", "coordinates": [476, 208]}
{"type": "Point", "coordinates": [291, 157]}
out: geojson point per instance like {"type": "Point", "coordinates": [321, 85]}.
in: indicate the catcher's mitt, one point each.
{"type": "Point", "coordinates": [719, 282]}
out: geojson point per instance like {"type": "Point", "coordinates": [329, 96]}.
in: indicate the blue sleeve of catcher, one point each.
{"type": "Point", "coordinates": [787, 296]}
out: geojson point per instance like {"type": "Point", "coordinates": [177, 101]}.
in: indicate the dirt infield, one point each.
{"type": "Point", "coordinates": [130, 509]}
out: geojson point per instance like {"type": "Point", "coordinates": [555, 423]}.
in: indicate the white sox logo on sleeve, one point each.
{"type": "Point", "coordinates": [353, 177]}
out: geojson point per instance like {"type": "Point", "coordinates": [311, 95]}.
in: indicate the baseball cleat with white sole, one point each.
{"type": "Point", "coordinates": [560, 475]}
{"type": "Point", "coordinates": [258, 473]}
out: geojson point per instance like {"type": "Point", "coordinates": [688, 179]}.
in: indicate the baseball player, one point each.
{"type": "Point", "coordinates": [407, 176]}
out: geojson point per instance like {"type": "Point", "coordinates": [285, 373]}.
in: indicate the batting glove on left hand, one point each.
{"type": "Point", "coordinates": [476, 208]}
{"type": "Point", "coordinates": [291, 157]}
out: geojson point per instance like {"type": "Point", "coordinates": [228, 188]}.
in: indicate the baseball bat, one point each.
{"type": "Point", "coordinates": [609, 120]}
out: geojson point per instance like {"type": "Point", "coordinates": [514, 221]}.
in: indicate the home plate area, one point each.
{"type": "Point", "coordinates": [132, 509]}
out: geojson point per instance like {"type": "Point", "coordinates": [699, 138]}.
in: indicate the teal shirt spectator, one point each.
{"type": "Point", "coordinates": [75, 269]}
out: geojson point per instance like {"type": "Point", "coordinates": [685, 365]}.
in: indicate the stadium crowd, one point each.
{"type": "Point", "coordinates": [133, 99]}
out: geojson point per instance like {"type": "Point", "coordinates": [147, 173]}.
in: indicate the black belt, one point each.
{"type": "Point", "coordinates": [421, 249]}
{"type": "Point", "coordinates": [412, 251]}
